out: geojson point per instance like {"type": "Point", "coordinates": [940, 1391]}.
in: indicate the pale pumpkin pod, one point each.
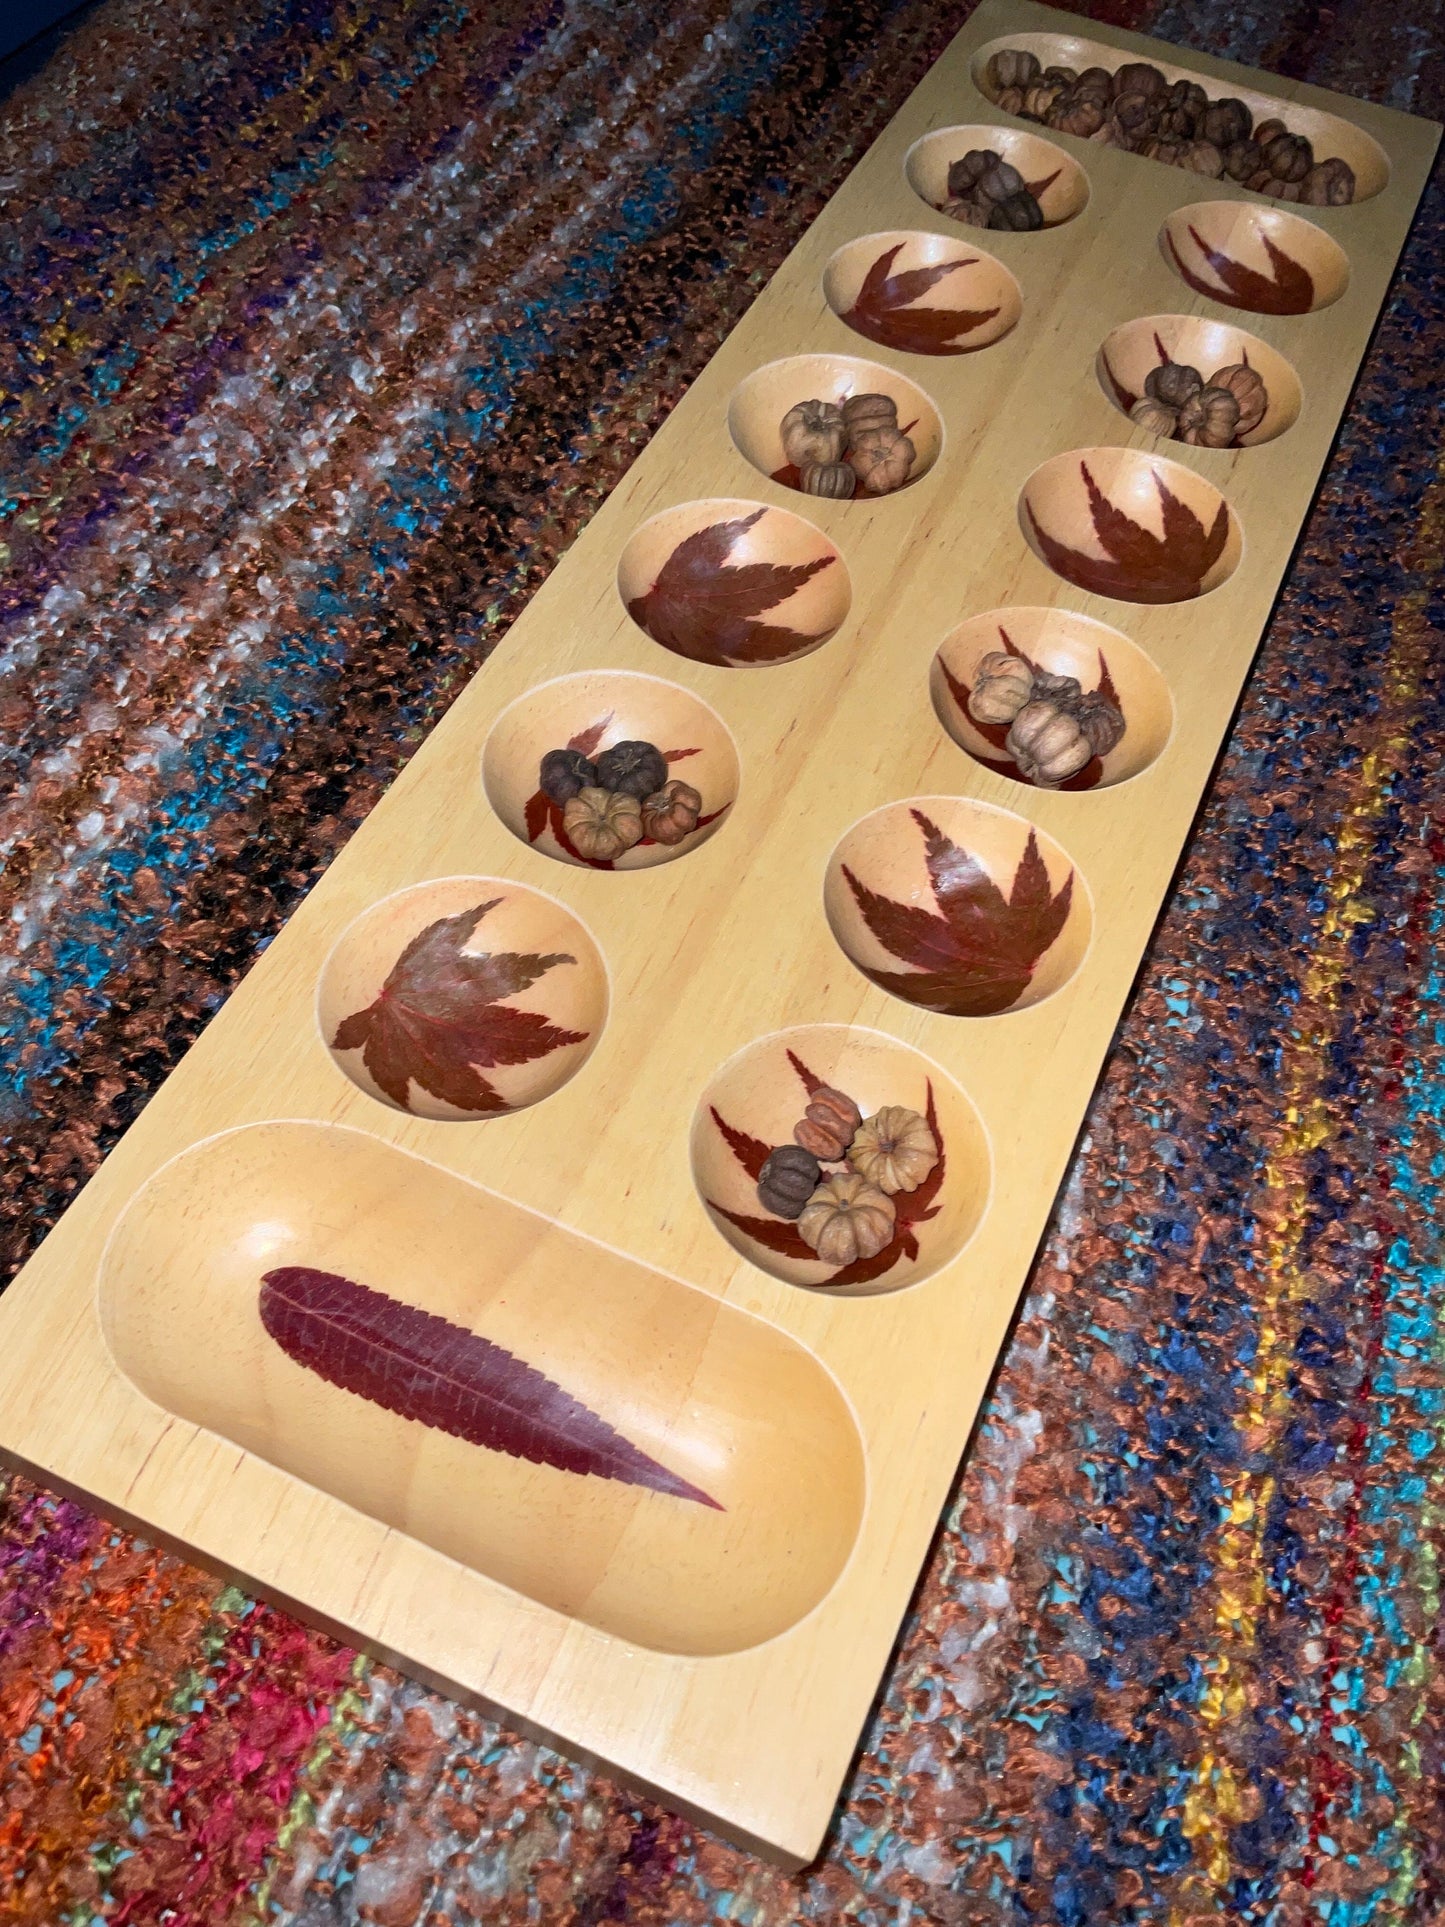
{"type": "Point", "coordinates": [601, 824]}
{"type": "Point", "coordinates": [1047, 744]}
{"type": "Point", "coordinates": [847, 1218]}
{"type": "Point", "coordinates": [1002, 685]}
{"type": "Point", "coordinates": [895, 1150]}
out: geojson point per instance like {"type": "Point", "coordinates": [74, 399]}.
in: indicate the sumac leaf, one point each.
{"type": "Point", "coordinates": [424, 1368]}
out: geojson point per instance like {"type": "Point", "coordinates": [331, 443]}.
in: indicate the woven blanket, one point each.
{"type": "Point", "coordinates": [324, 326]}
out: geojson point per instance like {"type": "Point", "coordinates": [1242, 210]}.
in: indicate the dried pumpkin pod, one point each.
{"type": "Point", "coordinates": [564, 772]}
{"type": "Point", "coordinates": [1061, 76]}
{"type": "Point", "coordinates": [1169, 152]}
{"type": "Point", "coordinates": [895, 1150]}
{"type": "Point", "coordinates": [1096, 82]}
{"type": "Point", "coordinates": [1064, 691]}
{"type": "Point", "coordinates": [1100, 720]}
{"type": "Point", "coordinates": [1203, 157]}
{"type": "Point", "coordinates": [882, 461]}
{"type": "Point", "coordinates": [1111, 134]}
{"type": "Point", "coordinates": [671, 813]}
{"type": "Point", "coordinates": [789, 1177]}
{"type": "Point", "coordinates": [1267, 130]}
{"type": "Point", "coordinates": [1329, 184]}
{"type": "Point", "coordinates": [1289, 157]}
{"type": "Point", "coordinates": [1286, 190]}
{"type": "Point", "coordinates": [846, 1219]}
{"type": "Point", "coordinates": [826, 1128]}
{"type": "Point", "coordinates": [1225, 121]}
{"type": "Point", "coordinates": [1001, 180]}
{"type": "Point", "coordinates": [1140, 77]}
{"type": "Point", "coordinates": [1040, 98]}
{"type": "Point", "coordinates": [1173, 382]}
{"type": "Point", "coordinates": [1047, 744]}
{"type": "Point", "coordinates": [970, 168]}
{"type": "Point", "coordinates": [1154, 417]}
{"type": "Point", "coordinates": [601, 824]}
{"type": "Point", "coordinates": [1183, 110]}
{"type": "Point", "coordinates": [636, 767]}
{"type": "Point", "coordinates": [1010, 67]}
{"type": "Point", "coordinates": [1078, 114]}
{"type": "Point", "coordinates": [1136, 115]}
{"type": "Point", "coordinates": [862, 412]}
{"type": "Point", "coordinates": [1002, 684]}
{"type": "Point", "coordinates": [1209, 419]}
{"type": "Point", "coordinates": [1248, 390]}
{"type": "Point", "coordinates": [1242, 159]}
{"type": "Point", "coordinates": [1019, 214]}
{"type": "Point", "coordinates": [975, 213]}
{"type": "Point", "coordinates": [834, 480]}
{"type": "Point", "coordinates": [1010, 100]}
{"type": "Point", "coordinates": [813, 432]}
{"type": "Point", "coordinates": [1262, 182]}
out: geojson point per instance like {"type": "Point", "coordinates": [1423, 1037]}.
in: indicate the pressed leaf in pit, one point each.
{"type": "Point", "coordinates": [778, 1235]}
{"type": "Point", "coordinates": [1288, 289]}
{"type": "Point", "coordinates": [439, 1021]}
{"type": "Point", "coordinates": [427, 1369]}
{"type": "Point", "coordinates": [977, 953]}
{"type": "Point", "coordinates": [996, 734]}
{"type": "Point", "coordinates": [883, 310]}
{"type": "Point", "coordinates": [703, 607]}
{"type": "Point", "coordinates": [1139, 566]}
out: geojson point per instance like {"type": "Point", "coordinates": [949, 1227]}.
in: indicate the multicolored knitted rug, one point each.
{"type": "Point", "coordinates": [324, 325]}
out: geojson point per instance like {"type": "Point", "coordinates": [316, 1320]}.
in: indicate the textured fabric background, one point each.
{"type": "Point", "coordinates": [324, 325]}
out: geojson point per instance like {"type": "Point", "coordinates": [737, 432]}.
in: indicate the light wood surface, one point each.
{"type": "Point", "coordinates": [724, 1660]}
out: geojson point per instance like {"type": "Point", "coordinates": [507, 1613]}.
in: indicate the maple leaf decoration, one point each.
{"type": "Point", "coordinates": [425, 1368]}
{"type": "Point", "coordinates": [543, 813]}
{"type": "Point", "coordinates": [439, 1021]}
{"type": "Point", "coordinates": [1140, 566]}
{"type": "Point", "coordinates": [1289, 289]}
{"type": "Point", "coordinates": [703, 608]}
{"type": "Point", "coordinates": [883, 312]}
{"type": "Point", "coordinates": [996, 734]}
{"type": "Point", "coordinates": [780, 1235]}
{"type": "Point", "coordinates": [976, 955]}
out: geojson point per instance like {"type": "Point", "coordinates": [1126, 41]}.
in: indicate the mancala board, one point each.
{"type": "Point", "coordinates": [432, 1295]}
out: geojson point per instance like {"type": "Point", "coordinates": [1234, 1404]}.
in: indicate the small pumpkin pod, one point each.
{"type": "Point", "coordinates": [1287, 190]}
{"type": "Point", "coordinates": [1101, 721]}
{"type": "Point", "coordinates": [1225, 121]}
{"type": "Point", "coordinates": [637, 767]}
{"type": "Point", "coordinates": [671, 813]}
{"type": "Point", "coordinates": [1079, 114]}
{"type": "Point", "coordinates": [1040, 98]}
{"type": "Point", "coordinates": [1289, 157]}
{"type": "Point", "coordinates": [1010, 67]}
{"type": "Point", "coordinates": [895, 1150]}
{"type": "Point", "coordinates": [789, 1177]}
{"type": "Point", "coordinates": [1203, 157]}
{"type": "Point", "coordinates": [564, 772]}
{"type": "Point", "coordinates": [1010, 101]}
{"type": "Point", "coordinates": [847, 1219]}
{"type": "Point", "coordinates": [1097, 83]}
{"type": "Point", "coordinates": [970, 168]}
{"type": "Point", "coordinates": [826, 1128]}
{"type": "Point", "coordinates": [1173, 382]}
{"type": "Point", "coordinates": [1154, 417]}
{"type": "Point", "coordinates": [1169, 152]}
{"type": "Point", "coordinates": [1140, 77]}
{"type": "Point", "coordinates": [1329, 184]}
{"type": "Point", "coordinates": [1062, 76]}
{"type": "Point", "coordinates": [1002, 684]}
{"type": "Point", "coordinates": [1242, 159]}
{"type": "Point", "coordinates": [1209, 419]}
{"type": "Point", "coordinates": [975, 213]}
{"type": "Point", "coordinates": [1019, 214]}
{"type": "Point", "coordinates": [1184, 107]}
{"type": "Point", "coordinates": [833, 479]}
{"type": "Point", "coordinates": [1136, 115]}
{"type": "Point", "coordinates": [882, 462]}
{"type": "Point", "coordinates": [861, 412]}
{"type": "Point", "coordinates": [601, 824]}
{"type": "Point", "coordinates": [1047, 744]}
{"type": "Point", "coordinates": [813, 432]}
{"type": "Point", "coordinates": [1001, 180]}
{"type": "Point", "coordinates": [1267, 130]}
{"type": "Point", "coordinates": [1247, 389]}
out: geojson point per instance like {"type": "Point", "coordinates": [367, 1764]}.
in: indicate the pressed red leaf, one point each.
{"type": "Point", "coordinates": [775, 1234]}
{"type": "Point", "coordinates": [705, 609]}
{"type": "Point", "coordinates": [535, 814]}
{"type": "Point", "coordinates": [1041, 187]}
{"type": "Point", "coordinates": [427, 1369]}
{"type": "Point", "coordinates": [586, 740]}
{"type": "Point", "coordinates": [903, 928]}
{"type": "Point", "coordinates": [1290, 289]}
{"type": "Point", "coordinates": [995, 943]}
{"type": "Point", "coordinates": [751, 1153]}
{"type": "Point", "coordinates": [917, 1206]}
{"type": "Point", "coordinates": [1105, 686]}
{"type": "Point", "coordinates": [1125, 397]}
{"type": "Point", "coordinates": [811, 1082]}
{"type": "Point", "coordinates": [439, 1021]}
{"type": "Point", "coordinates": [883, 310]}
{"type": "Point", "coordinates": [1142, 566]}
